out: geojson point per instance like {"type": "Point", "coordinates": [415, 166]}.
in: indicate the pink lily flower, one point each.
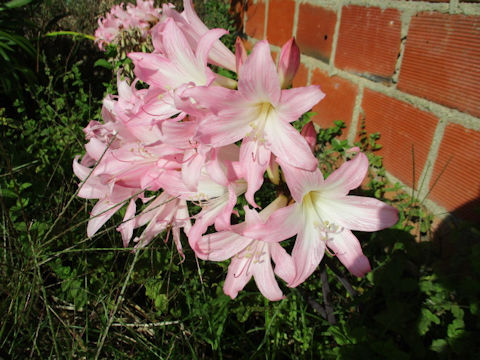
{"type": "Point", "coordinates": [260, 111]}
{"type": "Point", "coordinates": [250, 255]}
{"type": "Point", "coordinates": [324, 215]}
{"type": "Point", "coordinates": [194, 29]}
{"type": "Point", "coordinates": [216, 193]}
{"type": "Point", "coordinates": [112, 197]}
{"type": "Point", "coordinates": [141, 16]}
{"type": "Point", "coordinates": [178, 64]}
{"type": "Point", "coordinates": [163, 213]}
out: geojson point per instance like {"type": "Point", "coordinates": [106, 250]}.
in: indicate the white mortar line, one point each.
{"type": "Point", "coordinates": [335, 34]}
{"type": "Point", "coordinates": [357, 110]}
{"type": "Point", "coordinates": [425, 177]}
{"type": "Point", "coordinates": [418, 6]}
{"type": "Point", "coordinates": [453, 6]}
{"type": "Point", "coordinates": [405, 18]}
{"type": "Point", "coordinates": [295, 19]}
{"type": "Point", "coordinates": [468, 9]}
{"type": "Point", "coordinates": [265, 23]}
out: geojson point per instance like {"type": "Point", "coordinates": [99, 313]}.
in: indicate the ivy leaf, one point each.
{"type": "Point", "coordinates": [456, 328]}
{"type": "Point", "coordinates": [7, 193]}
{"type": "Point", "coordinates": [438, 345]}
{"type": "Point", "coordinates": [457, 312]}
{"type": "Point", "coordinates": [103, 63]}
{"type": "Point", "coordinates": [426, 319]}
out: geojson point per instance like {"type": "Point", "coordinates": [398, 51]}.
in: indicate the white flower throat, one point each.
{"type": "Point", "coordinates": [312, 208]}
{"type": "Point", "coordinates": [264, 113]}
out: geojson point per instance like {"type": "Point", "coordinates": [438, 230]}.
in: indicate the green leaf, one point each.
{"type": "Point", "coordinates": [456, 328]}
{"type": "Point", "coordinates": [438, 345]}
{"type": "Point", "coordinates": [474, 309]}
{"type": "Point", "coordinates": [25, 186]}
{"type": "Point", "coordinates": [426, 319]}
{"type": "Point", "coordinates": [17, 3]}
{"type": "Point", "coordinates": [7, 193]}
{"type": "Point", "coordinates": [103, 63]}
{"type": "Point", "coordinates": [70, 33]}
{"type": "Point", "coordinates": [338, 335]}
{"type": "Point", "coordinates": [457, 312]}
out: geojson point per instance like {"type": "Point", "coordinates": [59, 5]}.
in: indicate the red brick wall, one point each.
{"type": "Point", "coordinates": [409, 69]}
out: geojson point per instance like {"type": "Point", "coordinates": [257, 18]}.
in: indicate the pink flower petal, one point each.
{"type": "Point", "coordinates": [254, 160]}
{"type": "Point", "coordinates": [307, 253]}
{"type": "Point", "coordinates": [258, 80]}
{"type": "Point", "coordinates": [221, 246]}
{"type": "Point", "coordinates": [297, 101]}
{"type": "Point", "coordinates": [128, 224]}
{"type": "Point", "coordinates": [288, 145]}
{"type": "Point", "coordinates": [359, 213]}
{"type": "Point", "coordinates": [240, 53]}
{"type": "Point", "coordinates": [299, 181]}
{"type": "Point", "coordinates": [288, 63]}
{"type": "Point", "coordinates": [349, 176]}
{"type": "Point", "coordinates": [101, 212]}
{"type": "Point", "coordinates": [206, 42]}
{"type": "Point", "coordinates": [280, 225]}
{"type": "Point", "coordinates": [222, 221]}
{"type": "Point", "coordinates": [219, 54]}
{"type": "Point", "coordinates": [265, 279]}
{"type": "Point", "coordinates": [284, 265]}
{"type": "Point", "coordinates": [310, 135]}
{"type": "Point", "coordinates": [191, 167]}
{"type": "Point", "coordinates": [348, 250]}
{"type": "Point", "coordinates": [237, 277]}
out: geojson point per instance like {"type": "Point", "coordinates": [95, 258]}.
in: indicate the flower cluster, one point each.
{"type": "Point", "coordinates": [140, 17]}
{"type": "Point", "coordinates": [176, 142]}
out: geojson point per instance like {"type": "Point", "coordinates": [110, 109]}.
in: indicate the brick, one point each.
{"type": "Point", "coordinates": [255, 19]}
{"type": "Point", "coordinates": [315, 29]}
{"type": "Point", "coordinates": [442, 60]}
{"type": "Point", "coordinates": [369, 41]}
{"type": "Point", "coordinates": [401, 127]}
{"type": "Point", "coordinates": [338, 102]}
{"type": "Point", "coordinates": [280, 21]}
{"type": "Point", "coordinates": [457, 168]}
{"type": "Point", "coordinates": [301, 78]}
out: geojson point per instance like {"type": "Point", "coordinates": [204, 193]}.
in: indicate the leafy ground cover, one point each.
{"type": "Point", "coordinates": [64, 295]}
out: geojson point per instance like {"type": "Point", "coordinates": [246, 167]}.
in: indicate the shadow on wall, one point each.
{"type": "Point", "coordinates": [424, 298]}
{"type": "Point", "coordinates": [457, 266]}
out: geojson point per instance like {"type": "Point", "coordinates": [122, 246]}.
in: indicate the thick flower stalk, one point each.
{"type": "Point", "coordinates": [180, 150]}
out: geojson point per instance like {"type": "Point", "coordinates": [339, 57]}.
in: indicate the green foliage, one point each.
{"type": "Point", "coordinates": [215, 14]}
{"type": "Point", "coordinates": [16, 51]}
